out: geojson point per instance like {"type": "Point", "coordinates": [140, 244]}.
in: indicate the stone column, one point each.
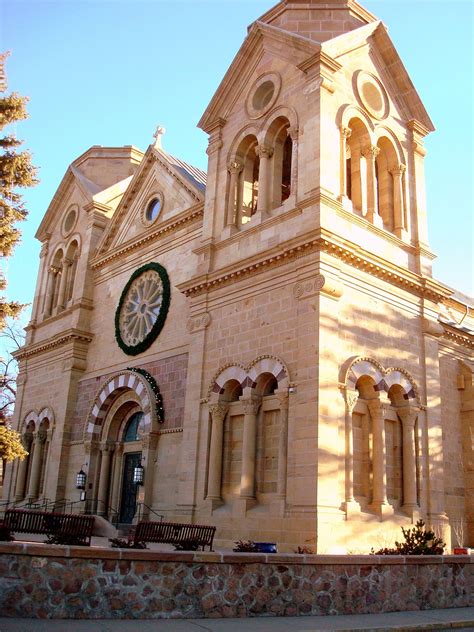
{"type": "Point", "coordinates": [265, 153]}
{"type": "Point", "coordinates": [66, 263]}
{"type": "Point", "coordinates": [408, 416]}
{"type": "Point", "coordinates": [145, 492]}
{"type": "Point", "coordinates": [293, 134]}
{"type": "Point", "coordinates": [48, 303]}
{"type": "Point", "coordinates": [398, 209]}
{"type": "Point", "coordinates": [26, 440]}
{"type": "Point", "coordinates": [350, 398]}
{"type": "Point", "coordinates": [234, 168]}
{"type": "Point", "coordinates": [283, 398]}
{"type": "Point", "coordinates": [106, 450]}
{"type": "Point", "coordinates": [35, 473]}
{"type": "Point", "coordinates": [218, 413]}
{"type": "Point", "coordinates": [379, 466]}
{"type": "Point", "coordinates": [247, 480]}
{"type": "Point", "coordinates": [116, 476]}
{"type": "Point", "coordinates": [345, 135]}
{"type": "Point", "coordinates": [370, 154]}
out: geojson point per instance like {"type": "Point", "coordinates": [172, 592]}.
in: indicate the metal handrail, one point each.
{"type": "Point", "coordinates": [140, 507]}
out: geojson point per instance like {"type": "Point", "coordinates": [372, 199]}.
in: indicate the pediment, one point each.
{"type": "Point", "coordinates": [262, 38]}
{"type": "Point", "coordinates": [388, 64]}
{"type": "Point", "coordinates": [176, 184]}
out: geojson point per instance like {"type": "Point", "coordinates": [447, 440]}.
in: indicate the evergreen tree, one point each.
{"type": "Point", "coordinates": [16, 171]}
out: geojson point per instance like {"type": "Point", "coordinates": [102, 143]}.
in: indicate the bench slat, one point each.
{"type": "Point", "coordinates": [174, 533]}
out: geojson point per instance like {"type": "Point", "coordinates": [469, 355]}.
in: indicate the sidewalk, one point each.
{"type": "Point", "coordinates": [446, 619]}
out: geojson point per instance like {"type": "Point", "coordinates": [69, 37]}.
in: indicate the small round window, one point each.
{"type": "Point", "coordinates": [263, 94]}
{"type": "Point", "coordinates": [153, 210]}
{"type": "Point", "coordinates": [69, 220]}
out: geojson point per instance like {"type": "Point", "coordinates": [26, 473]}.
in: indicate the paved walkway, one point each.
{"type": "Point", "coordinates": [448, 619]}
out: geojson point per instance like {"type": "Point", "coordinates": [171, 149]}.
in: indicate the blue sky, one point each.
{"type": "Point", "coordinates": [106, 73]}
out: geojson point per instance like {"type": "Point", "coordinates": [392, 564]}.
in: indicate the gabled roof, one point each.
{"type": "Point", "coordinates": [244, 63]}
{"type": "Point", "coordinates": [75, 178]}
{"type": "Point", "coordinates": [376, 33]}
{"type": "Point", "coordinates": [192, 179]}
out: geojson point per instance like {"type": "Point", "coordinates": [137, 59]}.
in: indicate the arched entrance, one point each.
{"type": "Point", "coordinates": [121, 435]}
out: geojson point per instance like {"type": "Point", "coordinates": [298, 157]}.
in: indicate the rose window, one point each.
{"type": "Point", "coordinates": [142, 310]}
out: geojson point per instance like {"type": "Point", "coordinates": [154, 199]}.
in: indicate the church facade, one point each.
{"type": "Point", "coordinates": [262, 347]}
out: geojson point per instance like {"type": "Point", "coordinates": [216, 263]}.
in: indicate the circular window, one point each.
{"type": "Point", "coordinates": [372, 95]}
{"type": "Point", "coordinates": [263, 94]}
{"type": "Point", "coordinates": [153, 209]}
{"type": "Point", "coordinates": [142, 309]}
{"type": "Point", "coordinates": [70, 220]}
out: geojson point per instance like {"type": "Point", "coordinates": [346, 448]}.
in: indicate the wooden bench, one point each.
{"type": "Point", "coordinates": [48, 523]}
{"type": "Point", "coordinates": [174, 533]}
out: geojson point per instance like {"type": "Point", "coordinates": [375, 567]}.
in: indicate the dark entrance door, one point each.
{"type": "Point", "coordinates": [128, 503]}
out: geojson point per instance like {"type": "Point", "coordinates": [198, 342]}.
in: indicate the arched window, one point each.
{"type": "Point", "coordinates": [356, 168]}
{"type": "Point", "coordinates": [281, 144]}
{"type": "Point", "coordinates": [244, 198]}
{"type": "Point", "coordinates": [130, 432]}
{"type": "Point", "coordinates": [71, 261]}
{"type": "Point", "coordinates": [390, 188]}
{"type": "Point", "coordinates": [52, 284]}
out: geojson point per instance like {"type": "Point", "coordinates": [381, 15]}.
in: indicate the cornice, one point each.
{"type": "Point", "coordinates": [319, 240]}
{"type": "Point", "coordinates": [64, 338]}
{"type": "Point", "coordinates": [192, 215]}
{"type": "Point", "coordinates": [320, 60]}
{"type": "Point", "coordinates": [463, 339]}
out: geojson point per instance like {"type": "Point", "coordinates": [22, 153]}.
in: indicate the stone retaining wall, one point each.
{"type": "Point", "coordinates": [38, 580]}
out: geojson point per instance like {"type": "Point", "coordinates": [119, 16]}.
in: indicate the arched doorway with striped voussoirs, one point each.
{"type": "Point", "coordinates": [248, 417]}
{"type": "Point", "coordinates": [121, 434]}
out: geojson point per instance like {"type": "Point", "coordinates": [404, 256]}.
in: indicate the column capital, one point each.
{"type": "Point", "coordinates": [293, 132]}
{"type": "Point", "coordinates": [150, 441]}
{"type": "Point", "coordinates": [26, 440]}
{"type": "Point", "coordinates": [54, 270]}
{"type": "Point", "coordinates": [398, 170]}
{"type": "Point", "coordinates": [40, 436]}
{"type": "Point", "coordinates": [408, 415]}
{"type": "Point", "coordinates": [346, 132]}
{"type": "Point", "coordinates": [218, 411]}
{"type": "Point", "coordinates": [370, 152]}
{"type": "Point", "coordinates": [376, 407]}
{"type": "Point", "coordinates": [44, 249]}
{"type": "Point", "coordinates": [107, 446]}
{"type": "Point", "coordinates": [251, 404]}
{"type": "Point", "coordinates": [67, 261]}
{"type": "Point", "coordinates": [234, 166]}
{"type": "Point", "coordinates": [350, 396]}
{"type": "Point", "coordinates": [283, 399]}
{"type": "Point", "coordinates": [264, 151]}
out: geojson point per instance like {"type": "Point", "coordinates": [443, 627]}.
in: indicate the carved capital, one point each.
{"type": "Point", "coordinates": [251, 405]}
{"type": "Point", "coordinates": [44, 249]}
{"type": "Point", "coordinates": [67, 261]}
{"type": "Point", "coordinates": [370, 152]}
{"type": "Point", "coordinates": [107, 446]}
{"type": "Point", "coordinates": [54, 270]}
{"type": "Point", "coordinates": [150, 441]}
{"type": "Point", "coordinates": [398, 170]}
{"type": "Point", "coordinates": [346, 132]}
{"type": "Point", "coordinates": [376, 408]}
{"type": "Point", "coordinates": [408, 416]}
{"type": "Point", "coordinates": [218, 412]}
{"type": "Point", "coordinates": [283, 399]}
{"type": "Point", "coordinates": [350, 397]}
{"type": "Point", "coordinates": [264, 151]}
{"type": "Point", "coordinates": [26, 440]}
{"type": "Point", "coordinates": [235, 167]}
{"type": "Point", "coordinates": [293, 133]}
{"type": "Point", "coordinates": [198, 323]}
{"type": "Point", "coordinates": [40, 436]}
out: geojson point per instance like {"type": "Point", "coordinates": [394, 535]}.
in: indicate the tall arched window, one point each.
{"type": "Point", "coordinates": [72, 256]}
{"type": "Point", "coordinates": [245, 195]}
{"type": "Point", "coordinates": [279, 140]}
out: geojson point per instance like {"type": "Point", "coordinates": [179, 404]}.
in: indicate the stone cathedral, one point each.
{"type": "Point", "coordinates": [261, 347]}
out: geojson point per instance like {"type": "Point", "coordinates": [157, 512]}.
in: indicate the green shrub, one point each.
{"type": "Point", "coordinates": [187, 545]}
{"type": "Point", "coordinates": [118, 543]}
{"type": "Point", "coordinates": [245, 546]}
{"type": "Point", "coordinates": [304, 550]}
{"type": "Point", "coordinates": [418, 541]}
{"type": "Point", "coordinates": [67, 539]}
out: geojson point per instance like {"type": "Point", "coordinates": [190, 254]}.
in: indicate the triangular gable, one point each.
{"type": "Point", "coordinates": [261, 37]}
{"type": "Point", "coordinates": [376, 33]}
{"type": "Point", "coordinates": [192, 183]}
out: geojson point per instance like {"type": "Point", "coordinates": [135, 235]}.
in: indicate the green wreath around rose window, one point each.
{"type": "Point", "coordinates": [152, 331]}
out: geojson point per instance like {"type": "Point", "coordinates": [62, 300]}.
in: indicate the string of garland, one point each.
{"type": "Point", "coordinates": [160, 321]}
{"type": "Point", "coordinates": [160, 411]}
